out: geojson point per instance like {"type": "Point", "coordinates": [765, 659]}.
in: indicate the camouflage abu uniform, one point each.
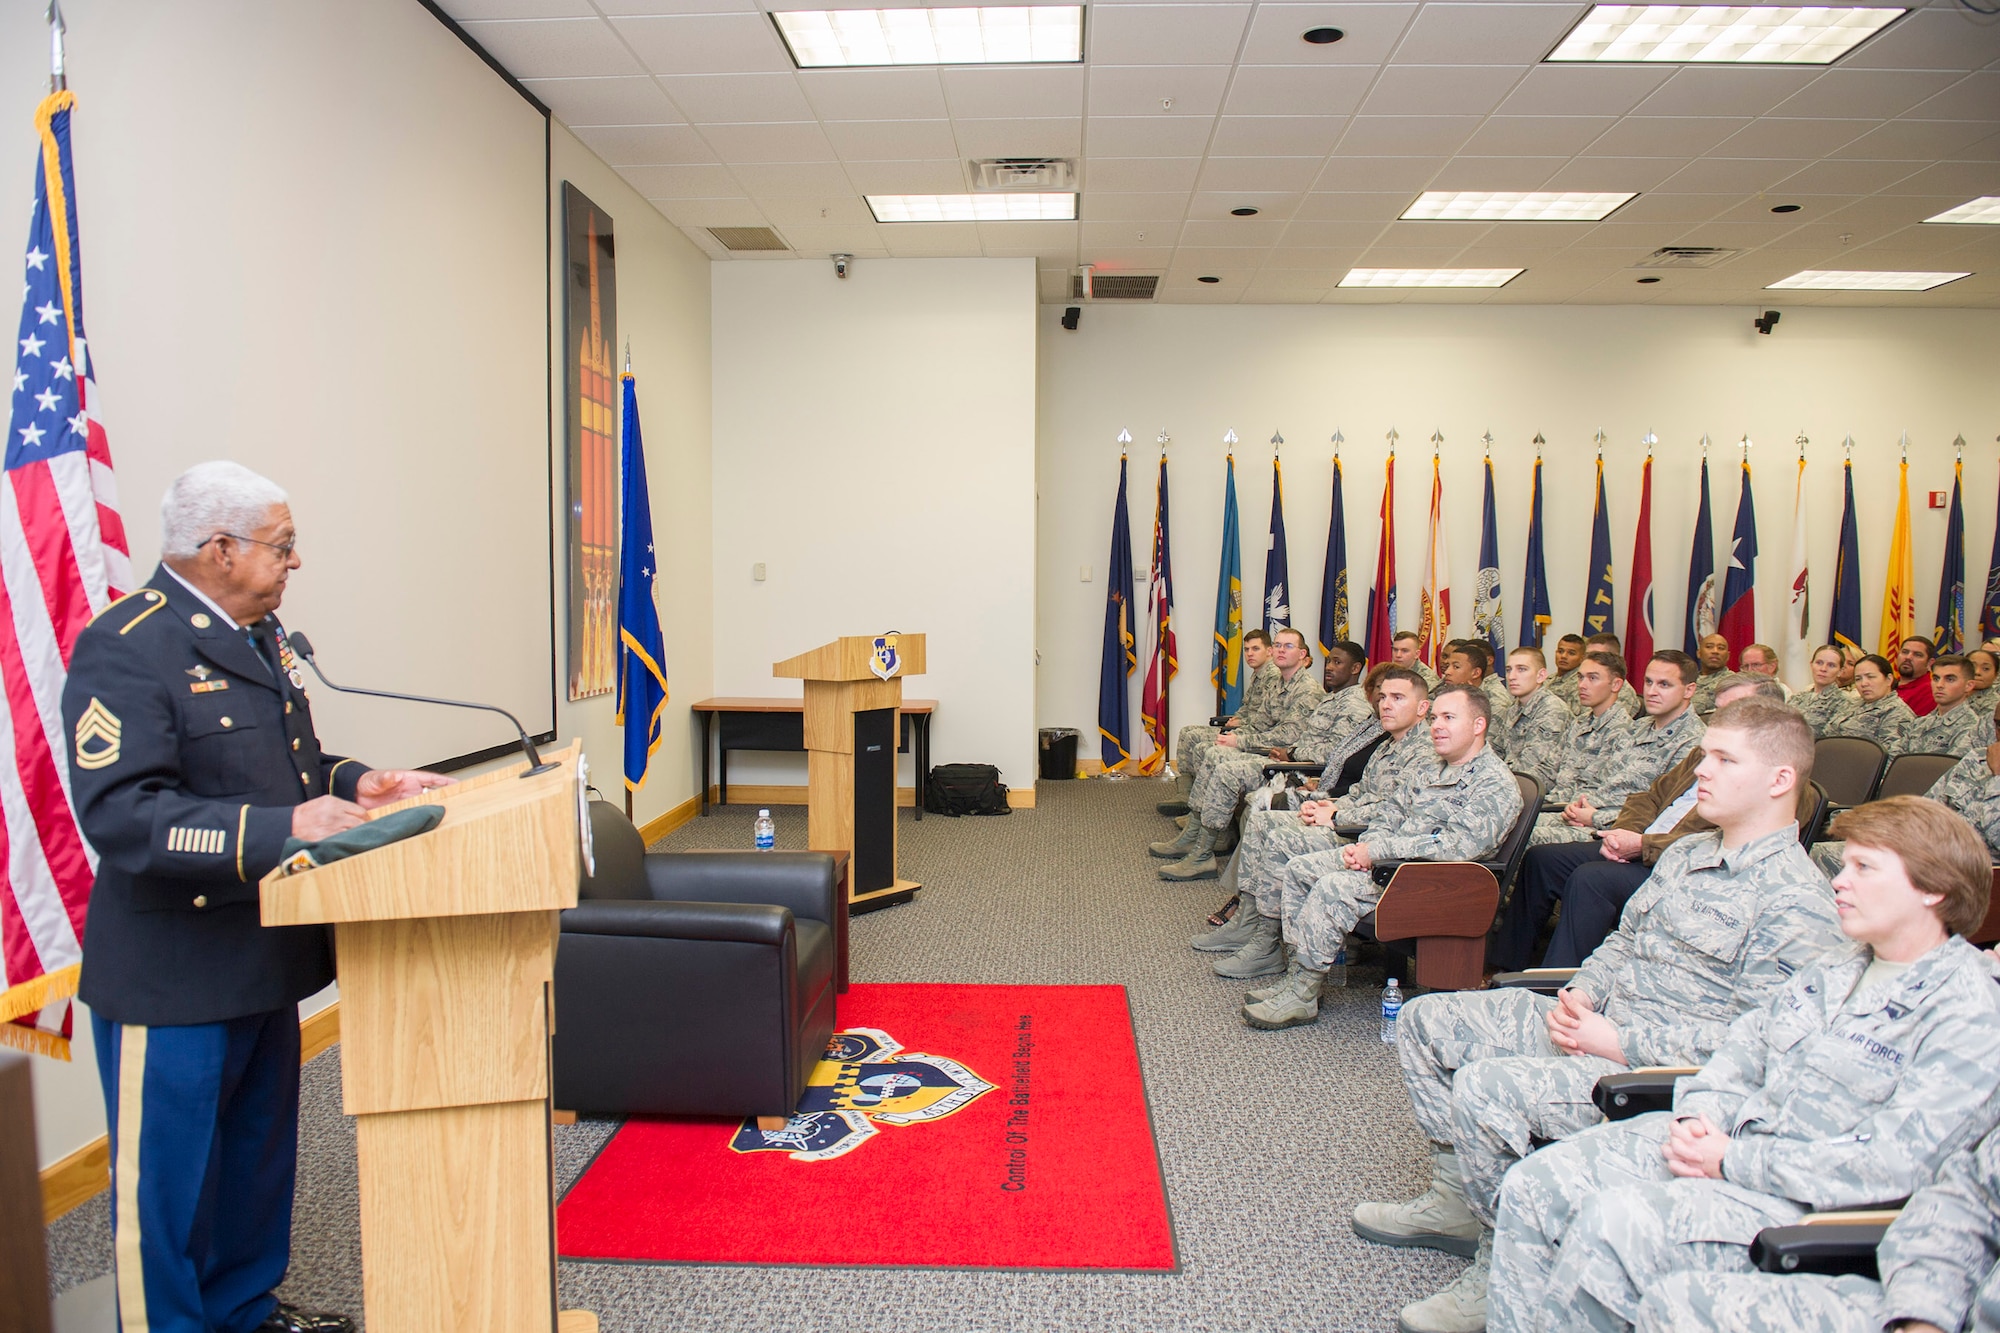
{"type": "Point", "coordinates": [1592, 738]}
{"type": "Point", "coordinates": [1883, 722]}
{"type": "Point", "coordinates": [1937, 1265]}
{"type": "Point", "coordinates": [1259, 694]}
{"type": "Point", "coordinates": [1458, 812]}
{"type": "Point", "coordinates": [1271, 838]}
{"type": "Point", "coordinates": [1945, 730]}
{"type": "Point", "coordinates": [1820, 706]}
{"type": "Point", "coordinates": [1643, 752]}
{"type": "Point", "coordinates": [1494, 686]}
{"type": "Point", "coordinates": [1563, 687]}
{"type": "Point", "coordinates": [1293, 703]}
{"type": "Point", "coordinates": [1969, 789]}
{"type": "Point", "coordinates": [1709, 935]}
{"type": "Point", "coordinates": [1531, 739]}
{"type": "Point", "coordinates": [1706, 686]}
{"type": "Point", "coordinates": [1834, 1095]}
{"type": "Point", "coordinates": [1228, 775]}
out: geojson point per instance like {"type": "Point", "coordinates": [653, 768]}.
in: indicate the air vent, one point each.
{"type": "Point", "coordinates": [1023, 173]}
{"type": "Point", "coordinates": [748, 238]}
{"type": "Point", "coordinates": [1687, 256]}
{"type": "Point", "coordinates": [1115, 286]}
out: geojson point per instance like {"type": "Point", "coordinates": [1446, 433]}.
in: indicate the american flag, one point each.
{"type": "Point", "coordinates": [63, 558]}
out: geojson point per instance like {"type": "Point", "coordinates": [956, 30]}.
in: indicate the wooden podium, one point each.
{"type": "Point", "coordinates": [446, 945]}
{"type": "Point", "coordinates": [854, 696]}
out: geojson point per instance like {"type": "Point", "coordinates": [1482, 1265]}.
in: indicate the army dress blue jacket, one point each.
{"type": "Point", "coordinates": [187, 755]}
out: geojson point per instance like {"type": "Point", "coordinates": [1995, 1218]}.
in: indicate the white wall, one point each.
{"type": "Point", "coordinates": [875, 450]}
{"type": "Point", "coordinates": [1562, 371]}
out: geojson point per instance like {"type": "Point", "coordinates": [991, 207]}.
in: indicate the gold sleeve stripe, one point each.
{"type": "Point", "coordinates": [200, 841]}
{"type": "Point", "coordinates": [331, 772]}
{"type": "Point", "coordinates": [242, 823]}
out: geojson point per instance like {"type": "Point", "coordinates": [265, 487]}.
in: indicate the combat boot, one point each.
{"type": "Point", "coordinates": [1262, 953]}
{"type": "Point", "coordinates": [1183, 784]}
{"type": "Point", "coordinates": [1263, 993]}
{"type": "Point", "coordinates": [1289, 1008]}
{"type": "Point", "coordinates": [1437, 1219]}
{"type": "Point", "coordinates": [1459, 1308]}
{"type": "Point", "coordinates": [1231, 935]}
{"type": "Point", "coordinates": [1176, 848]}
{"type": "Point", "coordinates": [1199, 863]}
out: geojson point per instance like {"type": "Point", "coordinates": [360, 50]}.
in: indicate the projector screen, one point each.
{"type": "Point", "coordinates": [315, 241]}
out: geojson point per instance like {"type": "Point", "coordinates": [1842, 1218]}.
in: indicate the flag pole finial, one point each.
{"type": "Point", "coordinates": [1802, 443]}
{"type": "Point", "coordinates": [1338, 440]}
{"type": "Point", "coordinates": [1392, 438]}
{"type": "Point", "coordinates": [1599, 438]}
{"type": "Point", "coordinates": [1162, 441]}
{"type": "Point", "coordinates": [58, 80]}
{"type": "Point", "coordinates": [1745, 445]}
{"type": "Point", "coordinates": [1229, 438]}
{"type": "Point", "coordinates": [1277, 439]}
{"type": "Point", "coordinates": [1649, 440]}
{"type": "Point", "coordinates": [628, 354]}
{"type": "Point", "coordinates": [1847, 445]}
{"type": "Point", "coordinates": [1704, 446]}
{"type": "Point", "coordinates": [1124, 438]}
{"type": "Point", "coordinates": [1487, 440]}
{"type": "Point", "coordinates": [1437, 442]}
{"type": "Point", "coordinates": [1539, 442]}
{"type": "Point", "coordinates": [1904, 444]}
{"type": "Point", "coordinates": [1958, 448]}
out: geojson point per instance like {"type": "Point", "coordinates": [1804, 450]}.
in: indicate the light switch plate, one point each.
{"type": "Point", "coordinates": [757, 571]}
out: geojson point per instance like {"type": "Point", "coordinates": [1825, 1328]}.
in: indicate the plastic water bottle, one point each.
{"type": "Point", "coordinates": [767, 832]}
{"type": "Point", "coordinates": [1392, 1005]}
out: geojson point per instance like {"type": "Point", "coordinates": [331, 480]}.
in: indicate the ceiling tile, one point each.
{"type": "Point", "coordinates": [1676, 208]}
{"type": "Point", "coordinates": [629, 145]}
{"type": "Point", "coordinates": [892, 140]}
{"type": "Point", "coordinates": [874, 94]}
{"type": "Point", "coordinates": [1140, 90]}
{"type": "Point", "coordinates": [863, 240]}
{"type": "Point", "coordinates": [1968, 180]}
{"type": "Point", "coordinates": [712, 213]}
{"type": "Point", "coordinates": [1191, 34]}
{"type": "Point", "coordinates": [1667, 136]}
{"type": "Point", "coordinates": [1535, 136]}
{"type": "Point", "coordinates": [1917, 138]}
{"type": "Point", "coordinates": [1440, 90]}
{"type": "Point", "coordinates": [1358, 206]}
{"type": "Point", "coordinates": [1613, 173]}
{"type": "Point", "coordinates": [1732, 175]}
{"type": "Point", "coordinates": [1147, 136]}
{"type": "Point", "coordinates": [1041, 240]}
{"type": "Point", "coordinates": [1044, 137]}
{"type": "Point", "coordinates": [1270, 289]}
{"type": "Point", "coordinates": [616, 7]}
{"type": "Point", "coordinates": [918, 240]}
{"type": "Point", "coordinates": [1144, 174]}
{"type": "Point", "coordinates": [1372, 32]}
{"type": "Point", "coordinates": [763, 179]}
{"type": "Point", "coordinates": [1222, 204]}
{"type": "Point", "coordinates": [937, 177]}
{"type": "Point", "coordinates": [1323, 234]}
{"type": "Point", "coordinates": [1256, 233]}
{"type": "Point", "coordinates": [759, 142]}
{"type": "Point", "coordinates": [1771, 136]}
{"type": "Point", "coordinates": [1276, 136]}
{"type": "Point", "coordinates": [1262, 174]}
{"type": "Point", "coordinates": [1117, 258]}
{"type": "Point", "coordinates": [821, 210]}
{"type": "Point", "coordinates": [1583, 90]}
{"type": "Point", "coordinates": [1291, 90]}
{"type": "Point", "coordinates": [1134, 206]}
{"type": "Point", "coordinates": [1975, 97]}
{"type": "Point", "coordinates": [682, 182]}
{"type": "Point", "coordinates": [463, 11]}
{"type": "Point", "coordinates": [628, 100]}
{"type": "Point", "coordinates": [1864, 92]}
{"type": "Point", "coordinates": [1484, 34]}
{"type": "Point", "coordinates": [554, 48]}
{"type": "Point", "coordinates": [1405, 136]}
{"type": "Point", "coordinates": [1014, 92]}
{"type": "Point", "coordinates": [1442, 236]}
{"type": "Point", "coordinates": [1137, 232]}
{"type": "Point", "coordinates": [1844, 177]}
{"type": "Point", "coordinates": [1332, 260]}
{"type": "Point", "coordinates": [1695, 91]}
{"type": "Point", "coordinates": [1496, 173]}
{"type": "Point", "coordinates": [1379, 173]}
{"type": "Point", "coordinates": [737, 98]}
{"type": "Point", "coordinates": [1942, 38]}
{"type": "Point", "coordinates": [699, 43]}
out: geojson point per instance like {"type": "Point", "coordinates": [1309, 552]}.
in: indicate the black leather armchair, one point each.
{"type": "Point", "coordinates": [693, 983]}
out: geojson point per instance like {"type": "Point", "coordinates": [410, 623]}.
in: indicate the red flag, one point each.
{"type": "Point", "coordinates": [1639, 610]}
{"type": "Point", "coordinates": [1382, 597]}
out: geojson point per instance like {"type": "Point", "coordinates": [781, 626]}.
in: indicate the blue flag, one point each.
{"type": "Point", "coordinates": [1489, 620]}
{"type": "Point", "coordinates": [1114, 696]}
{"type": "Point", "coordinates": [1989, 613]}
{"type": "Point", "coordinates": [1598, 604]}
{"type": "Point", "coordinates": [1225, 670]}
{"type": "Point", "coordinates": [1738, 621]}
{"type": "Point", "coordinates": [1333, 625]}
{"type": "Point", "coordinates": [1277, 569]}
{"type": "Point", "coordinates": [1698, 617]}
{"type": "Point", "coordinates": [1846, 625]}
{"type": "Point", "coordinates": [1949, 634]}
{"type": "Point", "coordinates": [1535, 612]}
{"type": "Point", "coordinates": [642, 651]}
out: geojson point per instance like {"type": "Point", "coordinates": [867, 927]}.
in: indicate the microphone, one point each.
{"type": "Point", "coordinates": [303, 647]}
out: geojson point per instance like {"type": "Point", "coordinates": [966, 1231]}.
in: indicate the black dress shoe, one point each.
{"type": "Point", "coordinates": [291, 1319]}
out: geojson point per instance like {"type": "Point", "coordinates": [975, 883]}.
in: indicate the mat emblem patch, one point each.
{"type": "Point", "coordinates": [887, 659]}
{"type": "Point", "coordinates": [867, 1079]}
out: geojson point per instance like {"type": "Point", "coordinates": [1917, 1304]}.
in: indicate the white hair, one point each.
{"type": "Point", "coordinates": [214, 497]}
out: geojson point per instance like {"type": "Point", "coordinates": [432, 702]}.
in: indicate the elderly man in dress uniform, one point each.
{"type": "Point", "coordinates": [193, 761]}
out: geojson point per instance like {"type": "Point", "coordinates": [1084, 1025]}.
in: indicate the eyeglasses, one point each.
{"type": "Point", "coordinates": [284, 549]}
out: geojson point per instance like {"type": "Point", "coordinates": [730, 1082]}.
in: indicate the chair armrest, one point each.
{"type": "Point", "coordinates": [1305, 766]}
{"type": "Point", "coordinates": [1637, 1091]}
{"type": "Point", "coordinates": [1350, 832]}
{"type": "Point", "coordinates": [1385, 870]}
{"type": "Point", "coordinates": [1218, 720]}
{"type": "Point", "coordinates": [1553, 807]}
{"type": "Point", "coordinates": [802, 881]}
{"type": "Point", "coordinates": [1436, 898]}
{"type": "Point", "coordinates": [1828, 1247]}
{"type": "Point", "coordinates": [737, 923]}
{"type": "Point", "coordinates": [1546, 980]}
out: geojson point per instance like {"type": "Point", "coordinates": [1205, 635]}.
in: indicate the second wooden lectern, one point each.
{"type": "Point", "coordinates": [854, 698]}
{"type": "Point", "coordinates": [446, 945]}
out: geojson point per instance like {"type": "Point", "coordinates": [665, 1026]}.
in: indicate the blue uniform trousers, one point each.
{"type": "Point", "coordinates": [204, 1130]}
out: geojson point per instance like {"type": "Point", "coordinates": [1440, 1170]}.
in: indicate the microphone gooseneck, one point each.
{"type": "Point", "coordinates": [303, 647]}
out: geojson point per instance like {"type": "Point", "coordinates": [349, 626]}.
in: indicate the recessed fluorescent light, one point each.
{"type": "Point", "coordinates": [999, 207]}
{"type": "Point", "coordinates": [1010, 35]}
{"type": "Point", "coordinates": [1513, 206]}
{"type": "Point", "coordinates": [1430, 277]}
{"type": "Point", "coordinates": [1723, 34]}
{"type": "Point", "coordinates": [1985, 209]}
{"type": "Point", "coordinates": [1862, 280]}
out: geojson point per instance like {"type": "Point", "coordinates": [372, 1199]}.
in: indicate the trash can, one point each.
{"type": "Point", "coordinates": [1059, 752]}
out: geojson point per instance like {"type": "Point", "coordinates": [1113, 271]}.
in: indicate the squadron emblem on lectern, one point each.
{"type": "Point", "coordinates": [886, 661]}
{"type": "Point", "coordinates": [867, 1079]}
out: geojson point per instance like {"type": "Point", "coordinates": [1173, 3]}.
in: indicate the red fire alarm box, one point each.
{"type": "Point", "coordinates": [1939, 499]}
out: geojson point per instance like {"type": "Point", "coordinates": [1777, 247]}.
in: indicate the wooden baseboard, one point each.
{"type": "Point", "coordinates": [86, 1173]}
{"type": "Point", "coordinates": [1020, 798]}
{"type": "Point", "coordinates": [655, 829]}
{"type": "Point", "coordinates": [744, 794]}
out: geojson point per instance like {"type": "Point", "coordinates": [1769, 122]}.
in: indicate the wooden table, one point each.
{"type": "Point", "coordinates": [779, 725]}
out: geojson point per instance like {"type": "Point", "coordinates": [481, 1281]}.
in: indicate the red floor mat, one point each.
{"type": "Point", "coordinates": [961, 1126]}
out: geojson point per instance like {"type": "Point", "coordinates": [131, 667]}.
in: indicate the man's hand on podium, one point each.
{"type": "Point", "coordinates": [322, 817]}
{"type": "Point", "coordinates": [381, 786]}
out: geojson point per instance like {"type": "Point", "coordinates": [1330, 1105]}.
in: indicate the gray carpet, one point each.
{"type": "Point", "coordinates": [1267, 1140]}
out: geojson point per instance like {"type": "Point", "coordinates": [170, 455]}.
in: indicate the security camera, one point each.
{"type": "Point", "coordinates": [1767, 323]}
{"type": "Point", "coordinates": [840, 263]}
{"type": "Point", "coordinates": [1070, 316]}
